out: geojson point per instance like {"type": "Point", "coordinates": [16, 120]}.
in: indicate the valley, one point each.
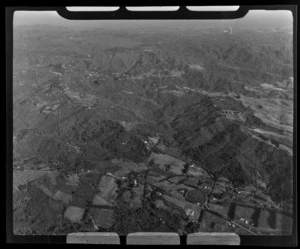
{"type": "Point", "coordinates": [115, 132]}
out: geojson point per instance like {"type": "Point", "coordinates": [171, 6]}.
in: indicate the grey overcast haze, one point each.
{"type": "Point", "coordinates": [254, 19]}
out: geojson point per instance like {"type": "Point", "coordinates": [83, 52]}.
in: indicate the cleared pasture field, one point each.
{"type": "Point", "coordinates": [266, 220]}
{"type": "Point", "coordinates": [279, 223]}
{"type": "Point", "coordinates": [176, 165]}
{"type": "Point", "coordinates": [275, 112]}
{"type": "Point", "coordinates": [126, 167]}
{"type": "Point", "coordinates": [107, 188]}
{"type": "Point", "coordinates": [74, 214]}
{"type": "Point", "coordinates": [21, 177]}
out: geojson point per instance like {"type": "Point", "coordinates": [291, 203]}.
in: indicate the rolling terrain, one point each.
{"type": "Point", "coordinates": [167, 128]}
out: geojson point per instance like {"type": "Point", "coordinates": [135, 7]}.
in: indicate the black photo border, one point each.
{"type": "Point", "coordinates": [122, 13]}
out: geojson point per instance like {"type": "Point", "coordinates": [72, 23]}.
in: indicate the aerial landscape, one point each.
{"type": "Point", "coordinates": [163, 128]}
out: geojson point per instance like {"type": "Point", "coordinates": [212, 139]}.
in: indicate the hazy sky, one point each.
{"type": "Point", "coordinates": [254, 19]}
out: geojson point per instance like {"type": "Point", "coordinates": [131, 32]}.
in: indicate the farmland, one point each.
{"type": "Point", "coordinates": [155, 127]}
